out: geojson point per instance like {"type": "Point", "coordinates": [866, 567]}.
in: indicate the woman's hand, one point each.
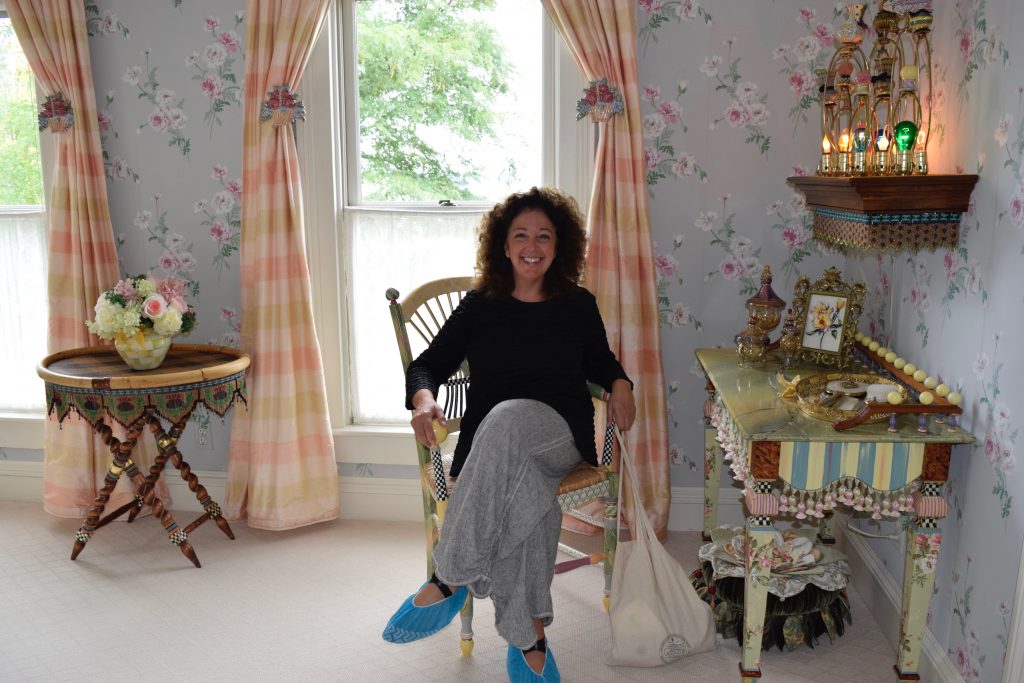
{"type": "Point", "coordinates": [425, 411]}
{"type": "Point", "coordinates": [621, 406]}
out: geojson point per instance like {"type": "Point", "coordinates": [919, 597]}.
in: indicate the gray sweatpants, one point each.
{"type": "Point", "coordinates": [500, 533]}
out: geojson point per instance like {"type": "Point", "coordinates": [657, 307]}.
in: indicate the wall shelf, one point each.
{"type": "Point", "coordinates": [889, 213]}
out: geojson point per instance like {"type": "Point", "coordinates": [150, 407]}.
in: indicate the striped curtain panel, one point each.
{"type": "Point", "coordinates": [82, 256]}
{"type": "Point", "coordinates": [601, 35]}
{"type": "Point", "coordinates": [281, 469]}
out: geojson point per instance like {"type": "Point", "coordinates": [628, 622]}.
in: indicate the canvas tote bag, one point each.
{"type": "Point", "coordinates": [656, 615]}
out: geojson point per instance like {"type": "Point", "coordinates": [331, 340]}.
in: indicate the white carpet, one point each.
{"type": "Point", "coordinates": [308, 605]}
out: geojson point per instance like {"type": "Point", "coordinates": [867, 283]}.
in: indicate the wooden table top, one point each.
{"type": "Point", "coordinates": [100, 367]}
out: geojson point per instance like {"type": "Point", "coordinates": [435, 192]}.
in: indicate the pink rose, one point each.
{"type": "Point", "coordinates": [104, 121]}
{"type": "Point", "coordinates": [915, 297]}
{"type": "Point", "coordinates": [229, 39]}
{"type": "Point", "coordinates": [949, 261]}
{"type": "Point", "coordinates": [1017, 210]}
{"type": "Point", "coordinates": [220, 233]}
{"type": "Point", "coordinates": [218, 172]}
{"type": "Point", "coordinates": [806, 15]}
{"type": "Point", "coordinates": [666, 265]}
{"type": "Point", "coordinates": [169, 262]}
{"type": "Point", "coordinates": [212, 24]}
{"type": "Point", "coordinates": [794, 236]}
{"type": "Point", "coordinates": [159, 120]}
{"type": "Point", "coordinates": [651, 93]}
{"type": "Point", "coordinates": [823, 32]}
{"type": "Point", "coordinates": [212, 86]}
{"type": "Point", "coordinates": [730, 268]}
{"type": "Point", "coordinates": [963, 662]}
{"type": "Point", "coordinates": [669, 112]}
{"type": "Point", "coordinates": [737, 115]}
{"type": "Point", "coordinates": [651, 158]}
{"type": "Point", "coordinates": [179, 305]}
{"type": "Point", "coordinates": [801, 82]}
{"type": "Point", "coordinates": [234, 186]}
{"type": "Point", "coordinates": [154, 306]}
{"type": "Point", "coordinates": [967, 44]}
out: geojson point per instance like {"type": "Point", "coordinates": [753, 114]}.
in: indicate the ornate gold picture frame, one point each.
{"type": "Point", "coordinates": [829, 310]}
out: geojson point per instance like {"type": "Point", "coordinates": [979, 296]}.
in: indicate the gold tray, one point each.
{"type": "Point", "coordinates": [809, 389]}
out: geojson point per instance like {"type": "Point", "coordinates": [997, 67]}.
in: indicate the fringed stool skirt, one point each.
{"type": "Point", "coordinates": [500, 533]}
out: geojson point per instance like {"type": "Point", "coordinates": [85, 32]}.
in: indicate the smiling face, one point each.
{"type": "Point", "coordinates": [530, 247]}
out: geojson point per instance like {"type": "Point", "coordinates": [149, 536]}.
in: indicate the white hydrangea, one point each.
{"type": "Point", "coordinates": [169, 324]}
{"type": "Point", "coordinates": [146, 288]}
{"type": "Point", "coordinates": [112, 320]}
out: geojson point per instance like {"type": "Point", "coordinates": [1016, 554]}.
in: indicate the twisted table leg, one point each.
{"type": "Point", "coordinates": [121, 450]}
{"type": "Point", "coordinates": [167, 442]}
{"type": "Point", "coordinates": [162, 441]}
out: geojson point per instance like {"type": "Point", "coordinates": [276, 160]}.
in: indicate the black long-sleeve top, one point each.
{"type": "Point", "coordinates": [546, 351]}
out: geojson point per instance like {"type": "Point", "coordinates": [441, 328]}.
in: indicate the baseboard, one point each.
{"type": "Point", "coordinates": [361, 497]}
{"type": "Point", "coordinates": [393, 500]}
{"type": "Point", "coordinates": [884, 596]}
{"type": "Point", "coordinates": [687, 511]}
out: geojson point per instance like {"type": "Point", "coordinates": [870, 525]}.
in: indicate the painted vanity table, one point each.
{"type": "Point", "coordinates": [791, 464]}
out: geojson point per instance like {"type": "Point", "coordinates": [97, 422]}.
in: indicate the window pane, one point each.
{"type": "Point", "coordinates": [21, 181]}
{"type": "Point", "coordinates": [22, 233]}
{"type": "Point", "coordinates": [449, 98]}
{"type": "Point", "coordinates": [22, 309]}
{"type": "Point", "coordinates": [401, 250]}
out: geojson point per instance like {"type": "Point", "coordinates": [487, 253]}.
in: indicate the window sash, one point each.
{"type": "Point", "coordinates": [327, 158]}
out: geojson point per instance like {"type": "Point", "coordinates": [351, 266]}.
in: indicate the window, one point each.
{"type": "Point", "coordinates": [438, 112]}
{"type": "Point", "coordinates": [23, 304]}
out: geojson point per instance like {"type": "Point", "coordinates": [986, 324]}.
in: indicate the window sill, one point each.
{"type": "Point", "coordinates": [377, 445]}
{"type": "Point", "coordinates": [21, 430]}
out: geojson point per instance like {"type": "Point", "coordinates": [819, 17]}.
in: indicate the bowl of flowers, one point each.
{"type": "Point", "coordinates": [141, 315]}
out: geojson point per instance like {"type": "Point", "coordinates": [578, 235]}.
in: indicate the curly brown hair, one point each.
{"type": "Point", "coordinates": [494, 275]}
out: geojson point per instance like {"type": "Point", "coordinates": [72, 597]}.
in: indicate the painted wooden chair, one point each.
{"type": "Point", "coordinates": [423, 312]}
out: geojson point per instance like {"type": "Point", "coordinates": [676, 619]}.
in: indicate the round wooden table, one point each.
{"type": "Point", "coordinates": [96, 383]}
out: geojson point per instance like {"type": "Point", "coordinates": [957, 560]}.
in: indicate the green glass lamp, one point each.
{"type": "Point", "coordinates": [904, 135]}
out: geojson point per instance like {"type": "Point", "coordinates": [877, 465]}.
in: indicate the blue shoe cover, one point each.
{"type": "Point", "coordinates": [520, 672]}
{"type": "Point", "coordinates": [412, 622]}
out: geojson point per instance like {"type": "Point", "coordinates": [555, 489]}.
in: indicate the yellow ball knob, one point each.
{"type": "Point", "coordinates": [874, 346]}
{"type": "Point", "coordinates": [931, 382]}
{"type": "Point", "coordinates": [920, 375]}
{"type": "Point", "coordinates": [890, 357]}
{"type": "Point", "coordinates": [894, 397]}
{"type": "Point", "coordinates": [925, 398]}
{"type": "Point", "coordinates": [859, 336]}
{"type": "Point", "coordinates": [942, 390]}
{"type": "Point", "coordinates": [899, 363]}
{"type": "Point", "coordinates": [881, 351]}
{"type": "Point", "coordinates": [955, 398]}
{"type": "Point", "coordinates": [910, 368]}
{"type": "Point", "coordinates": [440, 432]}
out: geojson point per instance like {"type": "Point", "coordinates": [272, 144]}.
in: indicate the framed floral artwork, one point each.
{"type": "Point", "coordinates": [829, 309]}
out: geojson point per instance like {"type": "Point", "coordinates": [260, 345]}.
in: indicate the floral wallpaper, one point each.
{"type": "Point", "coordinates": [168, 78]}
{"type": "Point", "coordinates": [730, 111]}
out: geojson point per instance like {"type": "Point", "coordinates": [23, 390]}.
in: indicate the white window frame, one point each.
{"type": "Point", "coordinates": [24, 429]}
{"type": "Point", "coordinates": [327, 160]}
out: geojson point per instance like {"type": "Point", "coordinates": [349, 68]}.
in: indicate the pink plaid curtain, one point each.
{"type": "Point", "coordinates": [602, 34]}
{"type": "Point", "coordinates": [82, 256]}
{"type": "Point", "coordinates": [281, 470]}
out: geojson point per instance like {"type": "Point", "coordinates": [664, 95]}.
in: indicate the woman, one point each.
{"type": "Point", "coordinates": [533, 338]}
